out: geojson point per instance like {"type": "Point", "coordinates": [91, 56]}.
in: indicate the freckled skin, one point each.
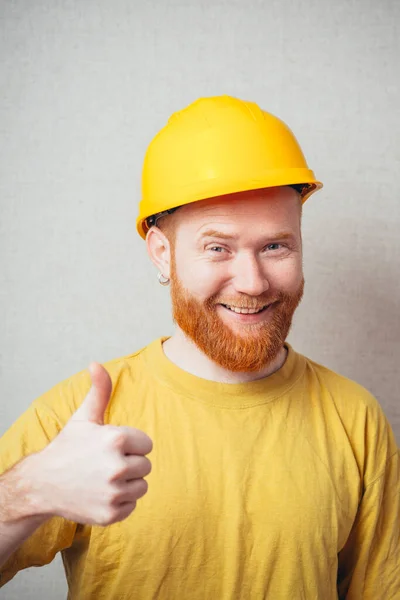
{"type": "Point", "coordinates": [242, 265]}
{"type": "Point", "coordinates": [246, 251]}
{"type": "Point", "coordinates": [230, 268]}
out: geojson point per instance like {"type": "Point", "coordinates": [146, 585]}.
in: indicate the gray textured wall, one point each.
{"type": "Point", "coordinates": [85, 85]}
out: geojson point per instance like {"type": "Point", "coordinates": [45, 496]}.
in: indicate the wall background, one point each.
{"type": "Point", "coordinates": [84, 87]}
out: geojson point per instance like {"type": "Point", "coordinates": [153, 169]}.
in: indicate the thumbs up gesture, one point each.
{"type": "Point", "coordinates": [91, 472]}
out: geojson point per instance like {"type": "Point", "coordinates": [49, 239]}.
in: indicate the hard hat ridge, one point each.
{"type": "Point", "coordinates": [217, 146]}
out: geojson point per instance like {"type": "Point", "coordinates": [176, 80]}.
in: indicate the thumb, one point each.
{"type": "Point", "coordinates": [94, 405]}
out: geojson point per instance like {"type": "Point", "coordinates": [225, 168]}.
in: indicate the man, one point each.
{"type": "Point", "coordinates": [272, 476]}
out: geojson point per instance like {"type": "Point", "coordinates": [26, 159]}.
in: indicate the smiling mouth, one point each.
{"type": "Point", "coordinates": [246, 311]}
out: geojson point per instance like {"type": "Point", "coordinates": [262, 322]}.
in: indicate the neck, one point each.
{"type": "Point", "coordinates": [187, 356]}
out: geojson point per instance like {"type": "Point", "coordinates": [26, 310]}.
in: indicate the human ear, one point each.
{"type": "Point", "coordinates": [159, 250]}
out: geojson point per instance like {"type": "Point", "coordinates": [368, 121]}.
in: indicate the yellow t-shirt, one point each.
{"type": "Point", "coordinates": [283, 488]}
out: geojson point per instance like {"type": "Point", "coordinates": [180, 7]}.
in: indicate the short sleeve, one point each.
{"type": "Point", "coordinates": [34, 429]}
{"type": "Point", "coordinates": [369, 563]}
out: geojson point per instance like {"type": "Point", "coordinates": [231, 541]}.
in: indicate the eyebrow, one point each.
{"type": "Point", "coordinates": [218, 234]}
{"type": "Point", "coordinates": [213, 233]}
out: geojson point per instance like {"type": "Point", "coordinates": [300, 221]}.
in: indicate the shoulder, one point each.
{"type": "Point", "coordinates": [49, 413]}
{"type": "Point", "coordinates": [61, 401]}
{"type": "Point", "coordinates": [343, 391]}
{"type": "Point", "coordinates": [359, 413]}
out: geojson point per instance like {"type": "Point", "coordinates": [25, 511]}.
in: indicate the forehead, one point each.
{"type": "Point", "coordinates": [259, 209]}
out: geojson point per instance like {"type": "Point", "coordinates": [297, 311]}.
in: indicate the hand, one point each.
{"type": "Point", "coordinates": [91, 472]}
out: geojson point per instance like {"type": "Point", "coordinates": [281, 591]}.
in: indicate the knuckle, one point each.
{"type": "Point", "coordinates": [147, 443]}
{"type": "Point", "coordinates": [113, 497]}
{"type": "Point", "coordinates": [106, 517]}
{"type": "Point", "coordinates": [117, 470]}
{"type": "Point", "coordinates": [114, 438]}
{"type": "Point", "coordinates": [141, 487]}
{"type": "Point", "coordinates": [149, 467]}
{"type": "Point", "coordinates": [142, 440]}
{"type": "Point", "coordinates": [125, 511]}
{"type": "Point", "coordinates": [143, 467]}
{"type": "Point", "coordinates": [114, 514]}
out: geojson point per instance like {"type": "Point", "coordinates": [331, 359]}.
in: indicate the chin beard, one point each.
{"type": "Point", "coordinates": [250, 352]}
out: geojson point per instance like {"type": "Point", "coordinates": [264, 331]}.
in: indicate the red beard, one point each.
{"type": "Point", "coordinates": [256, 348]}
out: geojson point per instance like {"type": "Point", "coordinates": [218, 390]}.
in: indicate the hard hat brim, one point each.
{"type": "Point", "coordinates": [311, 185]}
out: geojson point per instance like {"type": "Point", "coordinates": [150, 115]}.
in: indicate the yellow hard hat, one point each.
{"type": "Point", "coordinates": [216, 146]}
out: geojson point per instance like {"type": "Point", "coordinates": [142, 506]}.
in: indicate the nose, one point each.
{"type": "Point", "coordinates": [248, 277]}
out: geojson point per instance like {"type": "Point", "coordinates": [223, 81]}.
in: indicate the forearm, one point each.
{"type": "Point", "coordinates": [20, 513]}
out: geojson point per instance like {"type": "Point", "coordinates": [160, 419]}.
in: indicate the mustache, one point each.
{"type": "Point", "coordinates": [251, 302]}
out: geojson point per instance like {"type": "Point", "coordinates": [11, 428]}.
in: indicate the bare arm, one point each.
{"type": "Point", "coordinates": [91, 473]}
{"type": "Point", "coordinates": [18, 516]}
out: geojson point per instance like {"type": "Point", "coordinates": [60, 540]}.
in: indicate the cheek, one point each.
{"type": "Point", "coordinates": [199, 277]}
{"type": "Point", "coordinates": [286, 275]}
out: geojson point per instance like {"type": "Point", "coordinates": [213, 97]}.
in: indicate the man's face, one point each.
{"type": "Point", "coordinates": [236, 275]}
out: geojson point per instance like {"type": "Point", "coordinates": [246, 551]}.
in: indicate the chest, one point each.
{"type": "Point", "coordinates": [245, 483]}
{"type": "Point", "coordinates": [258, 505]}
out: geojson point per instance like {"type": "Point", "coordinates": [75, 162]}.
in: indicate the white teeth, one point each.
{"type": "Point", "coordinates": [244, 311]}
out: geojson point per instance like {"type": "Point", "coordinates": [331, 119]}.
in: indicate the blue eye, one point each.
{"type": "Point", "coordinates": [275, 246]}
{"type": "Point", "coordinates": [217, 249]}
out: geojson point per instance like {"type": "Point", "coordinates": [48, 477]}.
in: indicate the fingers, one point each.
{"type": "Point", "coordinates": [124, 510]}
{"type": "Point", "coordinates": [135, 441]}
{"type": "Point", "coordinates": [130, 467]}
{"type": "Point", "coordinates": [95, 404]}
{"type": "Point", "coordinates": [136, 467]}
{"type": "Point", "coordinates": [131, 491]}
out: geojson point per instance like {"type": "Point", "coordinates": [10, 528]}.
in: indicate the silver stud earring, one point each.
{"type": "Point", "coordinates": [163, 280]}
